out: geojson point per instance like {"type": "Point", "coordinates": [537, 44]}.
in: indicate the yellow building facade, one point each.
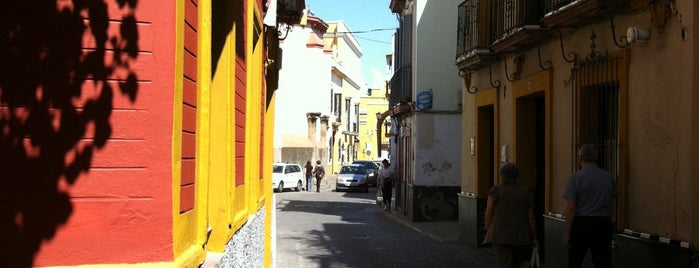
{"type": "Point", "coordinates": [374, 103]}
{"type": "Point", "coordinates": [234, 119]}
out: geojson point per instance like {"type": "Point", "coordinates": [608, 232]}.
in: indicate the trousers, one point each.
{"type": "Point", "coordinates": [387, 191]}
{"type": "Point", "coordinates": [595, 234]}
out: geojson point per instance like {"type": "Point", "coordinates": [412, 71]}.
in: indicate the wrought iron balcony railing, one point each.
{"type": "Point", "coordinates": [467, 31]}
{"type": "Point", "coordinates": [509, 16]}
{"type": "Point", "coordinates": [574, 13]}
{"type": "Point", "coordinates": [554, 5]}
{"type": "Point", "coordinates": [473, 44]}
{"type": "Point", "coordinates": [401, 84]}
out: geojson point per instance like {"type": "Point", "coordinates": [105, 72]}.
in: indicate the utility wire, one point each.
{"type": "Point", "coordinates": [374, 40]}
{"type": "Point", "coordinates": [369, 31]}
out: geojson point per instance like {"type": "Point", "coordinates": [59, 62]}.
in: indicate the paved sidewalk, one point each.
{"type": "Point", "coordinates": [442, 231]}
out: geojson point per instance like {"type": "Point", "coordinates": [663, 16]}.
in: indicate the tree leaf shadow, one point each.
{"type": "Point", "coordinates": [50, 127]}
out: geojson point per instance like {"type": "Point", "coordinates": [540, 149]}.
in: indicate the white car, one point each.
{"type": "Point", "coordinates": [287, 176]}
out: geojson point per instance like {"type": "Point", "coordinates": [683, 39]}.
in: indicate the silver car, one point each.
{"type": "Point", "coordinates": [371, 168]}
{"type": "Point", "coordinates": [353, 177]}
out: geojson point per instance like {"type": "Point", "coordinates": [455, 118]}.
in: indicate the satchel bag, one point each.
{"type": "Point", "coordinates": [489, 233]}
{"type": "Point", "coordinates": [534, 260]}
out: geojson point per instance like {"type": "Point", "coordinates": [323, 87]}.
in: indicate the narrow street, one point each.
{"type": "Point", "coordinates": [338, 229]}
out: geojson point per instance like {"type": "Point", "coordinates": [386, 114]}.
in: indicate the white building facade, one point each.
{"type": "Point", "coordinates": [316, 101]}
{"type": "Point", "coordinates": [426, 110]}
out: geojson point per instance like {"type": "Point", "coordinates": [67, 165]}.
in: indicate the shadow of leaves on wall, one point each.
{"type": "Point", "coordinates": [60, 66]}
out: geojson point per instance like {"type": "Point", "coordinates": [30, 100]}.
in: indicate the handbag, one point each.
{"type": "Point", "coordinates": [488, 239]}
{"type": "Point", "coordinates": [489, 233]}
{"type": "Point", "coordinates": [534, 260]}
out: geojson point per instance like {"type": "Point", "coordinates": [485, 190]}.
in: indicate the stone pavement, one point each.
{"type": "Point", "coordinates": [443, 231]}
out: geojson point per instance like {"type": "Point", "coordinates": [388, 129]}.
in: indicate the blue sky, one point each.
{"type": "Point", "coordinates": [363, 15]}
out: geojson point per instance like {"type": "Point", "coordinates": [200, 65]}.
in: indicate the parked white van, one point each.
{"type": "Point", "coordinates": [287, 176]}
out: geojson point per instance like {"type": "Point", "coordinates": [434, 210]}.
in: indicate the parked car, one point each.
{"type": "Point", "coordinates": [351, 177]}
{"type": "Point", "coordinates": [372, 170]}
{"type": "Point", "coordinates": [287, 176]}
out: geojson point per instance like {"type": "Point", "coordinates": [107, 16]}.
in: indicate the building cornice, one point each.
{"type": "Point", "coordinates": [345, 77]}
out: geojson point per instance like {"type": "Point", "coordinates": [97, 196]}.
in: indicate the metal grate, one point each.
{"type": "Point", "coordinates": [467, 32]}
{"type": "Point", "coordinates": [401, 85]}
{"type": "Point", "coordinates": [596, 109]}
{"type": "Point", "coordinates": [508, 16]}
{"type": "Point", "coordinates": [553, 5]}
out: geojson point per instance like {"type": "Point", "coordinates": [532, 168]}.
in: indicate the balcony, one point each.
{"type": "Point", "coordinates": [401, 86]}
{"type": "Point", "coordinates": [290, 11]}
{"type": "Point", "coordinates": [472, 51]}
{"type": "Point", "coordinates": [516, 25]}
{"type": "Point", "coordinates": [398, 6]}
{"type": "Point", "coordinates": [573, 13]}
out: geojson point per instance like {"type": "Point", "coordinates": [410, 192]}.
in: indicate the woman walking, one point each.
{"type": "Point", "coordinates": [386, 178]}
{"type": "Point", "coordinates": [309, 176]}
{"type": "Point", "coordinates": [509, 217]}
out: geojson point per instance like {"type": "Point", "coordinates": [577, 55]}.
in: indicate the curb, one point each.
{"type": "Point", "coordinates": [390, 214]}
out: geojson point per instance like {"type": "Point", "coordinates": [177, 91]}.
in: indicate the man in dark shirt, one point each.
{"type": "Point", "coordinates": [590, 196]}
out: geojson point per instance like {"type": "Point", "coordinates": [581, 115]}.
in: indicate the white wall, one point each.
{"type": "Point", "coordinates": [350, 53]}
{"type": "Point", "coordinates": [304, 85]}
{"type": "Point", "coordinates": [438, 150]}
{"type": "Point", "coordinates": [437, 137]}
{"type": "Point", "coordinates": [433, 64]}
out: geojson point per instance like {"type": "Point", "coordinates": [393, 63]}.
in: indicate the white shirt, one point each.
{"type": "Point", "coordinates": [385, 173]}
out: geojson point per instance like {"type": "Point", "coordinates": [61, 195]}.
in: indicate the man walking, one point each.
{"type": "Point", "coordinates": [589, 195]}
{"type": "Point", "coordinates": [319, 173]}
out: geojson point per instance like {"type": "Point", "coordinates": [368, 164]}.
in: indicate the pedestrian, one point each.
{"type": "Point", "coordinates": [509, 219]}
{"type": "Point", "coordinates": [589, 196]}
{"type": "Point", "coordinates": [309, 176]}
{"type": "Point", "coordinates": [319, 173]}
{"type": "Point", "coordinates": [386, 178]}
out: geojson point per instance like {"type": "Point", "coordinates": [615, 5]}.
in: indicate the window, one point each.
{"type": "Point", "coordinates": [330, 145]}
{"type": "Point", "coordinates": [337, 106]}
{"type": "Point", "coordinates": [347, 107]}
{"type": "Point", "coordinates": [599, 101]}
{"type": "Point", "coordinates": [356, 118]}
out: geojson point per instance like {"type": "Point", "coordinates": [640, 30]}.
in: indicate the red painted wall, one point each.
{"type": "Point", "coordinates": [189, 106]}
{"type": "Point", "coordinates": [86, 119]}
{"type": "Point", "coordinates": [240, 94]}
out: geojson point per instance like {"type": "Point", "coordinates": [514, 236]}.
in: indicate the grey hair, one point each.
{"type": "Point", "coordinates": [588, 153]}
{"type": "Point", "coordinates": [508, 173]}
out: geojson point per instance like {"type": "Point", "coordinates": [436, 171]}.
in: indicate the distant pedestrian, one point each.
{"type": "Point", "coordinates": [509, 218]}
{"type": "Point", "coordinates": [309, 176]}
{"type": "Point", "coordinates": [386, 178]}
{"type": "Point", "coordinates": [319, 173]}
{"type": "Point", "coordinates": [589, 206]}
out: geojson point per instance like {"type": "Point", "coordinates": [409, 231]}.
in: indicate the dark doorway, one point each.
{"type": "Point", "coordinates": [531, 153]}
{"type": "Point", "coordinates": [485, 149]}
{"type": "Point", "coordinates": [485, 158]}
